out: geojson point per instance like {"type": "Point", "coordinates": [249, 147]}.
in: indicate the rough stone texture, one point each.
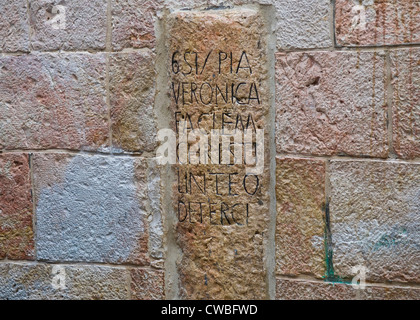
{"type": "Point", "coordinates": [390, 293]}
{"type": "Point", "coordinates": [220, 258]}
{"type": "Point", "coordinates": [405, 66]}
{"type": "Point", "coordinates": [16, 234]}
{"type": "Point", "coordinates": [147, 284]}
{"type": "Point", "coordinates": [108, 209]}
{"type": "Point", "coordinates": [154, 208]}
{"type": "Point", "coordinates": [375, 219]}
{"type": "Point", "coordinates": [375, 23]}
{"type": "Point", "coordinates": [84, 29]}
{"type": "Point", "coordinates": [331, 103]}
{"type": "Point", "coordinates": [132, 82]}
{"type": "Point", "coordinates": [304, 24]}
{"type": "Point", "coordinates": [91, 208]}
{"type": "Point", "coordinates": [301, 26]}
{"type": "Point", "coordinates": [311, 290]}
{"type": "Point", "coordinates": [14, 27]}
{"type": "Point", "coordinates": [300, 190]}
{"type": "Point", "coordinates": [38, 281]}
{"type": "Point", "coordinates": [53, 101]}
{"type": "Point", "coordinates": [133, 23]}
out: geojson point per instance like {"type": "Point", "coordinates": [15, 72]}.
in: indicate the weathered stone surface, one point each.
{"type": "Point", "coordinates": [221, 227]}
{"type": "Point", "coordinates": [92, 208]}
{"type": "Point", "coordinates": [300, 190]}
{"type": "Point", "coordinates": [331, 103]}
{"type": "Point", "coordinates": [303, 25]}
{"type": "Point", "coordinates": [312, 290]}
{"type": "Point", "coordinates": [14, 27]}
{"type": "Point", "coordinates": [133, 23]}
{"type": "Point", "coordinates": [154, 209]}
{"type": "Point", "coordinates": [16, 234]}
{"type": "Point", "coordinates": [405, 66]}
{"type": "Point", "coordinates": [390, 293]}
{"type": "Point", "coordinates": [53, 101]}
{"type": "Point", "coordinates": [147, 284]}
{"type": "Point", "coordinates": [58, 282]}
{"type": "Point", "coordinates": [375, 23]}
{"type": "Point", "coordinates": [132, 88]}
{"type": "Point", "coordinates": [68, 25]}
{"type": "Point", "coordinates": [375, 219]}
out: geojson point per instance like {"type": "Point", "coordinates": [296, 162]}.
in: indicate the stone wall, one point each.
{"type": "Point", "coordinates": [88, 210]}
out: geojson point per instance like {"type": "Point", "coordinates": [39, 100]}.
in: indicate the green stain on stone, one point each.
{"type": "Point", "coordinates": [390, 240]}
{"type": "Point", "coordinates": [330, 275]}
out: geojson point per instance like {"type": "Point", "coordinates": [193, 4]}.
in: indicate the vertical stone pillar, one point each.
{"type": "Point", "coordinates": [220, 80]}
